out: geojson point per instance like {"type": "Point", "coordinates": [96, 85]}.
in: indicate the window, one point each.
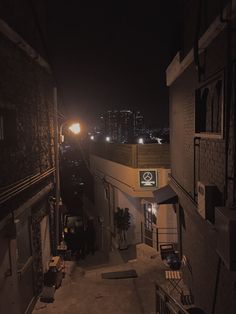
{"type": "Point", "coordinates": [209, 108]}
{"type": "Point", "coordinates": [7, 126]}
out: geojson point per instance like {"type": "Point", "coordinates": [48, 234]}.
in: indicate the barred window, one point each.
{"type": "Point", "coordinates": [209, 108]}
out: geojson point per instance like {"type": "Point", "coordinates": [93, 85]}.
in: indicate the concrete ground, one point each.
{"type": "Point", "coordinates": [83, 290]}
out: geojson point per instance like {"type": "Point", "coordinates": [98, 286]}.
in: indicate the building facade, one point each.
{"type": "Point", "coordinates": [27, 171]}
{"type": "Point", "coordinates": [127, 176]}
{"type": "Point", "coordinates": [201, 79]}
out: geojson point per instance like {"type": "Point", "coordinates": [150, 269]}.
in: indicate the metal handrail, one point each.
{"type": "Point", "coordinates": [166, 304]}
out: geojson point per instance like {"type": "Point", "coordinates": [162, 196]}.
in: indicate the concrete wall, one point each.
{"type": "Point", "coordinates": [117, 185]}
{"type": "Point", "coordinates": [124, 177]}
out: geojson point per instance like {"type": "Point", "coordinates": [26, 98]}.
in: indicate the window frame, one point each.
{"type": "Point", "coordinates": [208, 134]}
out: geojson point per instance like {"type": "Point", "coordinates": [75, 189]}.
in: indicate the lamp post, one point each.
{"type": "Point", "coordinates": [59, 139]}
{"type": "Point", "coordinates": [57, 172]}
{"type": "Point", "coordinates": [75, 129]}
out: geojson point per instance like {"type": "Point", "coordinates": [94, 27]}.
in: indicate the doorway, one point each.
{"type": "Point", "coordinates": [24, 262]}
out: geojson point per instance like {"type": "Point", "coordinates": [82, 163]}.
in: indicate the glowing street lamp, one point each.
{"type": "Point", "coordinates": [75, 128]}
{"type": "Point", "coordinates": [108, 138]}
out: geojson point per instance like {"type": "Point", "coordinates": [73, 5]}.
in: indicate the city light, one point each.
{"type": "Point", "coordinates": [75, 128]}
{"type": "Point", "coordinates": [108, 138]}
{"type": "Point", "coordinates": [92, 137]}
{"type": "Point", "coordinates": [140, 141]}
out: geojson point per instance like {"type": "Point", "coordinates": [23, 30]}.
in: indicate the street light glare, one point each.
{"type": "Point", "coordinates": [75, 128]}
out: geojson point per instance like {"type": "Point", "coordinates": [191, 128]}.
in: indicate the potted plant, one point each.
{"type": "Point", "coordinates": [122, 224]}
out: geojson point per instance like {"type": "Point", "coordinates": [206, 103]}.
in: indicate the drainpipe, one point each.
{"type": "Point", "coordinates": [228, 96]}
{"type": "Point", "coordinates": [196, 171]}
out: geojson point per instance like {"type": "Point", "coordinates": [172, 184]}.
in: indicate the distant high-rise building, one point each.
{"type": "Point", "coordinates": [125, 126]}
{"type": "Point", "coordinates": [122, 126]}
{"type": "Point", "coordinates": [138, 123]}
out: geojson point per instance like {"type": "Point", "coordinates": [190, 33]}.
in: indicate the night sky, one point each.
{"type": "Point", "coordinates": [113, 55]}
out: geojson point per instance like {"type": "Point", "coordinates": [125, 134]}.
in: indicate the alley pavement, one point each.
{"type": "Point", "coordinates": [84, 291]}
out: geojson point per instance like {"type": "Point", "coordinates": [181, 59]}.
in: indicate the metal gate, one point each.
{"type": "Point", "coordinates": [148, 229]}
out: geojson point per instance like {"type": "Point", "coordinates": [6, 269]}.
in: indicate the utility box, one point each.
{"type": "Point", "coordinates": [225, 223]}
{"type": "Point", "coordinates": [208, 197]}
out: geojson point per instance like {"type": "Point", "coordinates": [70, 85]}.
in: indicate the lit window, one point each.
{"type": "Point", "coordinates": [209, 108]}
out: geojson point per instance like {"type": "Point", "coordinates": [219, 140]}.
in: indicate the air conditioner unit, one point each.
{"type": "Point", "coordinates": [225, 223]}
{"type": "Point", "coordinates": [208, 198]}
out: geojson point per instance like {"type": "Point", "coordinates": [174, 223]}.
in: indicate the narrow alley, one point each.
{"type": "Point", "coordinates": [118, 157]}
{"type": "Point", "coordinates": [85, 291]}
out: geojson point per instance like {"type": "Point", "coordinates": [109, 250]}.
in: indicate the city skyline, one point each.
{"type": "Point", "coordinates": [113, 54]}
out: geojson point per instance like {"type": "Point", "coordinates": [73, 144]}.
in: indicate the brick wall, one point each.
{"type": "Point", "coordinates": [26, 89]}
{"type": "Point", "coordinates": [198, 235]}
{"type": "Point", "coordinates": [210, 156]}
{"type": "Point", "coordinates": [133, 155]}
{"type": "Point", "coordinates": [182, 128]}
{"type": "Point", "coordinates": [199, 246]}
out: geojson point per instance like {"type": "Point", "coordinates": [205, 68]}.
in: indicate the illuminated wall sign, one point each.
{"type": "Point", "coordinates": [147, 178]}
